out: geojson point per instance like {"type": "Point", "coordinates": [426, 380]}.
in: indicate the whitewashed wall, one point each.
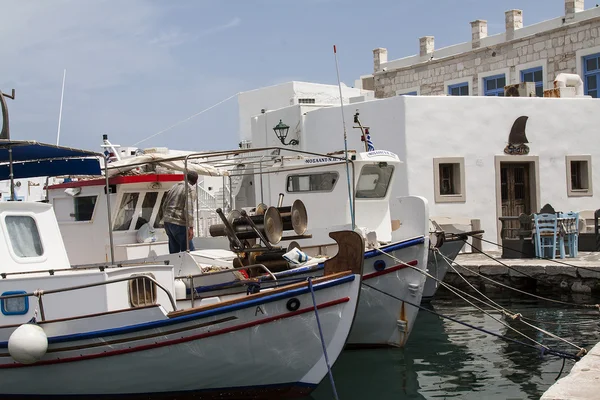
{"type": "Point", "coordinates": [279, 96]}
{"type": "Point", "coordinates": [420, 129]}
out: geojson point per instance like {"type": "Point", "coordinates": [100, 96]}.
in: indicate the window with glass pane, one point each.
{"type": "Point", "coordinates": [449, 179]}
{"type": "Point", "coordinates": [591, 72]}
{"type": "Point", "coordinates": [147, 207]}
{"type": "Point", "coordinates": [494, 85]}
{"type": "Point", "coordinates": [24, 235]}
{"type": "Point", "coordinates": [126, 210]}
{"type": "Point", "coordinates": [322, 182]}
{"type": "Point", "coordinates": [535, 75]}
{"type": "Point", "coordinates": [579, 175]}
{"type": "Point", "coordinates": [461, 89]}
{"type": "Point", "coordinates": [15, 305]}
{"type": "Point", "coordinates": [374, 181]}
{"type": "Point", "coordinates": [84, 207]}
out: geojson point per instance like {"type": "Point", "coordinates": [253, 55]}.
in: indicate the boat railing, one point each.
{"type": "Point", "coordinates": [100, 266]}
{"type": "Point", "coordinates": [40, 293]}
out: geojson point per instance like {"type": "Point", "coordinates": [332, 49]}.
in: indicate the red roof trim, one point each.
{"type": "Point", "coordinates": [120, 180]}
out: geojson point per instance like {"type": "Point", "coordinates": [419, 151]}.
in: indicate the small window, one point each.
{"type": "Point", "coordinates": [126, 211]}
{"type": "Point", "coordinates": [579, 176]}
{"type": "Point", "coordinates": [591, 74]}
{"type": "Point", "coordinates": [142, 291]}
{"type": "Point", "coordinates": [15, 305]}
{"type": "Point", "coordinates": [306, 101]}
{"type": "Point", "coordinates": [84, 207]}
{"type": "Point", "coordinates": [147, 207]}
{"type": "Point", "coordinates": [24, 236]}
{"type": "Point", "coordinates": [449, 179]}
{"type": "Point", "coordinates": [536, 76]}
{"type": "Point", "coordinates": [374, 181]}
{"type": "Point", "coordinates": [321, 182]}
{"type": "Point", "coordinates": [494, 85]}
{"type": "Point", "coordinates": [461, 89]}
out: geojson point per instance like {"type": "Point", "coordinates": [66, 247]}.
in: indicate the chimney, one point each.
{"type": "Point", "coordinates": [426, 45]}
{"type": "Point", "coordinates": [572, 7]}
{"type": "Point", "coordinates": [514, 21]}
{"type": "Point", "coordinates": [379, 57]}
{"type": "Point", "coordinates": [478, 32]}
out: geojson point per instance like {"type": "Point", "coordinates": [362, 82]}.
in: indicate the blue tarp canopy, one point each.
{"type": "Point", "coordinates": [33, 159]}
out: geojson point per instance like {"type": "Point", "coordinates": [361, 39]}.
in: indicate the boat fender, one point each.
{"type": "Point", "coordinates": [180, 290]}
{"type": "Point", "coordinates": [293, 304]}
{"type": "Point", "coordinates": [28, 343]}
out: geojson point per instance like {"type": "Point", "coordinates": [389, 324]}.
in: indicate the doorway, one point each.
{"type": "Point", "coordinates": [517, 191]}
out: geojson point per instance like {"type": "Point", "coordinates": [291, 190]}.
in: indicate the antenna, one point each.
{"type": "Point", "coordinates": [350, 197]}
{"type": "Point", "coordinates": [62, 94]}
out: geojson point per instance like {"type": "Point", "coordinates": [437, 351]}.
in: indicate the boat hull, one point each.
{"type": "Point", "coordinates": [260, 347]}
{"type": "Point", "coordinates": [437, 266]}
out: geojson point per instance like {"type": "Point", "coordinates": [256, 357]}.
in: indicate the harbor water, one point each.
{"type": "Point", "coordinates": [445, 360]}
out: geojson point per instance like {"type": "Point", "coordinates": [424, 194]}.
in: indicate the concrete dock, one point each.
{"type": "Point", "coordinates": [582, 383]}
{"type": "Point", "coordinates": [579, 275]}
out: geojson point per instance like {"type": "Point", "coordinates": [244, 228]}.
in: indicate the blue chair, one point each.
{"type": "Point", "coordinates": [548, 237]}
{"type": "Point", "coordinates": [569, 223]}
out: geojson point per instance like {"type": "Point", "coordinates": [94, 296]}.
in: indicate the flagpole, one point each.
{"type": "Point", "coordinates": [350, 197]}
{"type": "Point", "coordinates": [62, 94]}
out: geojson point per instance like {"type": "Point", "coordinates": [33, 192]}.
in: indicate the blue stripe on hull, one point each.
{"type": "Point", "coordinates": [198, 315]}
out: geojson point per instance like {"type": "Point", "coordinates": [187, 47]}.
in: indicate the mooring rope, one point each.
{"type": "Point", "coordinates": [566, 303]}
{"type": "Point", "coordinates": [544, 349]}
{"type": "Point", "coordinates": [456, 292]}
{"type": "Point", "coordinates": [506, 312]}
{"type": "Point", "coordinates": [536, 257]}
{"type": "Point", "coordinates": [312, 293]}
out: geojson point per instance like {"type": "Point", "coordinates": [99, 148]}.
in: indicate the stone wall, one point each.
{"type": "Point", "coordinates": [554, 49]}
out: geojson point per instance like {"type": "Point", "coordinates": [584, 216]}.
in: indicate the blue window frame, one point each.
{"type": "Point", "coordinates": [535, 75]}
{"type": "Point", "coordinates": [408, 94]}
{"type": "Point", "coordinates": [591, 74]}
{"type": "Point", "coordinates": [460, 89]}
{"type": "Point", "coordinates": [15, 305]}
{"type": "Point", "coordinates": [494, 85]}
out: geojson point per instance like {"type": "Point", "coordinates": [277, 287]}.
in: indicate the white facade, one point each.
{"type": "Point", "coordinates": [271, 98]}
{"type": "Point", "coordinates": [427, 131]}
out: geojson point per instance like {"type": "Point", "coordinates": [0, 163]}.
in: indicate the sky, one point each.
{"type": "Point", "coordinates": [137, 67]}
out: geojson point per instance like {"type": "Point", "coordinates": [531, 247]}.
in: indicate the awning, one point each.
{"type": "Point", "coordinates": [33, 159]}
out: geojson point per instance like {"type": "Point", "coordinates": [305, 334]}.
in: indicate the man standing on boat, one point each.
{"type": "Point", "coordinates": [174, 214]}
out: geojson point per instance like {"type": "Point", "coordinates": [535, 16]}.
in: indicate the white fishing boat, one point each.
{"type": "Point", "coordinates": [395, 251]}
{"type": "Point", "coordinates": [119, 331]}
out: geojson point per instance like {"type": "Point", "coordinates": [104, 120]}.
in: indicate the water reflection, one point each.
{"type": "Point", "coordinates": [447, 360]}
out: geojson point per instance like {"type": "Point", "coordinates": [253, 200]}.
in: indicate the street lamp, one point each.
{"type": "Point", "coordinates": [281, 131]}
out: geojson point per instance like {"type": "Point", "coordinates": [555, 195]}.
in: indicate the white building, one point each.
{"type": "Point", "coordinates": [485, 64]}
{"type": "Point", "coordinates": [271, 98]}
{"type": "Point", "coordinates": [456, 157]}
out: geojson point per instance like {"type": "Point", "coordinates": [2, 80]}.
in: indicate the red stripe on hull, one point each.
{"type": "Point", "coordinates": [389, 270]}
{"type": "Point", "coordinates": [181, 340]}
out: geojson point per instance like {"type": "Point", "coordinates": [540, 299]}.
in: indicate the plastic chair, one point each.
{"type": "Point", "coordinates": [547, 236]}
{"type": "Point", "coordinates": [570, 226]}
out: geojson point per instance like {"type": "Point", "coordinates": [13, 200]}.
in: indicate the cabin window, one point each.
{"type": "Point", "coordinates": [24, 235]}
{"type": "Point", "coordinates": [374, 181]}
{"type": "Point", "coordinates": [449, 179]}
{"type": "Point", "coordinates": [320, 182]}
{"type": "Point", "coordinates": [126, 211]}
{"type": "Point", "coordinates": [579, 176]}
{"type": "Point", "coordinates": [142, 291]}
{"type": "Point", "coordinates": [15, 305]}
{"type": "Point", "coordinates": [147, 208]}
{"type": "Point", "coordinates": [84, 207]}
